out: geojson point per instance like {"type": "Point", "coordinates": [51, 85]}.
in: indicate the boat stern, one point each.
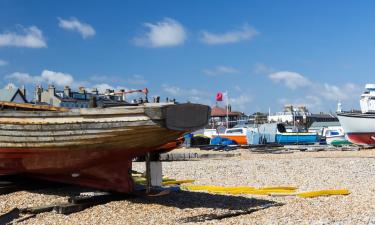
{"type": "Point", "coordinates": [187, 117]}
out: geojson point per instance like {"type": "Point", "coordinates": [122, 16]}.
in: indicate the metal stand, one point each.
{"type": "Point", "coordinates": [148, 173]}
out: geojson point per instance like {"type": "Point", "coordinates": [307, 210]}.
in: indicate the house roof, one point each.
{"type": "Point", "coordinates": [8, 94]}
{"type": "Point", "coordinates": [217, 111]}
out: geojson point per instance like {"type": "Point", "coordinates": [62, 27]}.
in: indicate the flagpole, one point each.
{"type": "Point", "coordinates": [227, 98]}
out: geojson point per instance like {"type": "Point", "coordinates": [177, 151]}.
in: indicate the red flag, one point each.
{"type": "Point", "coordinates": [219, 97]}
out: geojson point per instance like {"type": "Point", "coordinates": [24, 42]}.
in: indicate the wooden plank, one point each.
{"type": "Point", "coordinates": [32, 107]}
{"type": "Point", "coordinates": [76, 126]}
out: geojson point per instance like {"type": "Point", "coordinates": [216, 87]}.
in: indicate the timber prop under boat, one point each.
{"type": "Point", "coordinates": [92, 147]}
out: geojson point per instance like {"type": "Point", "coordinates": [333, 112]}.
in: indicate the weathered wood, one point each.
{"type": "Point", "coordinates": [32, 106]}
{"type": "Point", "coordinates": [76, 126]}
{"type": "Point", "coordinates": [131, 138]}
{"type": "Point", "coordinates": [180, 117]}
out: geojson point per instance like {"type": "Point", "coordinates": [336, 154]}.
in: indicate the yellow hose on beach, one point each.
{"type": "Point", "coordinates": [311, 194]}
{"type": "Point", "coordinates": [237, 190]}
{"type": "Point", "coordinates": [171, 182]}
{"type": "Point", "coordinates": [240, 189]}
{"type": "Point", "coordinates": [273, 191]}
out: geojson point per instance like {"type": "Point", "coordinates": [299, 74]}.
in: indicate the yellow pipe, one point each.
{"type": "Point", "coordinates": [311, 194]}
{"type": "Point", "coordinates": [177, 182]}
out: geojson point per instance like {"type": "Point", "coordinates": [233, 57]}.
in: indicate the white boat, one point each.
{"type": "Point", "coordinates": [333, 133]}
{"type": "Point", "coordinates": [360, 127]}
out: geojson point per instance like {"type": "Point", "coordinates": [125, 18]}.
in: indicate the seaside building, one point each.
{"type": "Point", "coordinates": [12, 94]}
{"type": "Point", "coordinates": [258, 118]}
{"type": "Point", "coordinates": [74, 99]}
{"type": "Point", "coordinates": [219, 117]}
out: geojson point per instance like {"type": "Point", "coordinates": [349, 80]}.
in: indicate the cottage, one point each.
{"type": "Point", "coordinates": [73, 99]}
{"type": "Point", "coordinates": [219, 116]}
{"type": "Point", "coordinates": [13, 94]}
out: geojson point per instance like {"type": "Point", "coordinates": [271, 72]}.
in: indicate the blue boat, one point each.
{"type": "Point", "coordinates": [276, 133]}
{"type": "Point", "coordinates": [297, 138]}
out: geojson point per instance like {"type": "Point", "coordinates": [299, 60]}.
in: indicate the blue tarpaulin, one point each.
{"type": "Point", "coordinates": [222, 141]}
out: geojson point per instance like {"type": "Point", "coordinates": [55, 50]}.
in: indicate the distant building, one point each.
{"type": "Point", "coordinates": [219, 117]}
{"type": "Point", "coordinates": [12, 94]}
{"type": "Point", "coordinates": [300, 116]}
{"type": "Point", "coordinates": [290, 114]}
{"type": "Point", "coordinates": [73, 99]}
{"type": "Point", "coordinates": [258, 118]}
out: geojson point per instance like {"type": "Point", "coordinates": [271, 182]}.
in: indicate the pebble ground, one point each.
{"type": "Point", "coordinates": [306, 170]}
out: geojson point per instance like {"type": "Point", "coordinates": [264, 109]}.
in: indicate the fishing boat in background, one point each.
{"type": "Point", "coordinates": [237, 134]}
{"type": "Point", "coordinates": [360, 126]}
{"type": "Point", "coordinates": [92, 147]}
{"type": "Point", "coordinates": [277, 133]}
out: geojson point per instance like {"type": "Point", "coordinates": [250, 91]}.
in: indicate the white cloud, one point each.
{"type": "Point", "coordinates": [246, 32]}
{"type": "Point", "coordinates": [262, 69]}
{"type": "Point", "coordinates": [137, 79]}
{"type": "Point", "coordinates": [166, 33]}
{"type": "Point", "coordinates": [240, 102]}
{"type": "Point", "coordinates": [102, 87]}
{"type": "Point", "coordinates": [24, 78]}
{"type": "Point", "coordinates": [47, 76]}
{"type": "Point", "coordinates": [3, 63]}
{"type": "Point", "coordinates": [292, 80]}
{"type": "Point", "coordinates": [134, 79]}
{"type": "Point", "coordinates": [58, 78]}
{"type": "Point", "coordinates": [30, 37]}
{"type": "Point", "coordinates": [73, 24]}
{"type": "Point", "coordinates": [220, 70]}
{"type": "Point", "coordinates": [348, 91]}
{"type": "Point", "coordinates": [172, 90]}
{"type": "Point", "coordinates": [310, 101]}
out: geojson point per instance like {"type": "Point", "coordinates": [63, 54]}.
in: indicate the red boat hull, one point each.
{"type": "Point", "coordinates": [362, 138]}
{"type": "Point", "coordinates": [108, 170]}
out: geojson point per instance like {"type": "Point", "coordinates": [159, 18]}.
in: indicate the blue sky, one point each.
{"type": "Point", "coordinates": [264, 53]}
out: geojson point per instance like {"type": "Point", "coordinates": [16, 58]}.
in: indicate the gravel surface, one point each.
{"type": "Point", "coordinates": [306, 170]}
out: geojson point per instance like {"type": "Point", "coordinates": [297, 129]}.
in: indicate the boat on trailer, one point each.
{"type": "Point", "coordinates": [92, 147]}
{"type": "Point", "coordinates": [360, 126]}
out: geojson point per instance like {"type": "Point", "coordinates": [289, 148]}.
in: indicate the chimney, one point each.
{"type": "Point", "coordinates": [67, 91]}
{"type": "Point", "coordinates": [95, 91]}
{"type": "Point", "coordinates": [81, 90]}
{"type": "Point", "coordinates": [52, 89]}
{"type": "Point", "coordinates": [23, 91]}
{"type": "Point", "coordinates": [38, 93]}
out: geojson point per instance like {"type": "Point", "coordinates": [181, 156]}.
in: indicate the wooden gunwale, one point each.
{"type": "Point", "coordinates": [106, 135]}
{"type": "Point", "coordinates": [77, 126]}
{"type": "Point", "coordinates": [124, 139]}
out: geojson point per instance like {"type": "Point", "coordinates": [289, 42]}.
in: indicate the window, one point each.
{"type": "Point", "coordinates": [234, 131]}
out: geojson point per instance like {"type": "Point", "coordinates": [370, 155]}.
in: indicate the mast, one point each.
{"type": "Point", "coordinates": [227, 100]}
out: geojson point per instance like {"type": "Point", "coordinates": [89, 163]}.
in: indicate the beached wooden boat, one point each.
{"type": "Point", "coordinates": [91, 147]}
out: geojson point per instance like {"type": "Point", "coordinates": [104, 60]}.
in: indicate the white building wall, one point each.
{"type": "Point", "coordinates": [18, 99]}
{"type": "Point", "coordinates": [281, 118]}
